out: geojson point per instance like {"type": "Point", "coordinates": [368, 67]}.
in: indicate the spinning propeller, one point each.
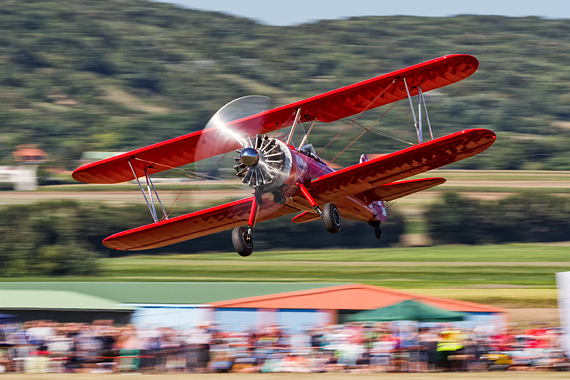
{"type": "Point", "coordinates": [264, 163]}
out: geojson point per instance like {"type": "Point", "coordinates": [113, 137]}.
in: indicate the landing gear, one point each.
{"type": "Point", "coordinates": [331, 218]}
{"type": "Point", "coordinates": [329, 213]}
{"type": "Point", "coordinates": [242, 241]}
{"type": "Point", "coordinates": [377, 230]}
{"type": "Point", "coordinates": [241, 236]}
{"type": "Point", "coordinates": [278, 197]}
{"type": "Point", "coordinates": [378, 233]}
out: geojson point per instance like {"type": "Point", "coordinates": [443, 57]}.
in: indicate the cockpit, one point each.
{"type": "Point", "coordinates": [309, 150]}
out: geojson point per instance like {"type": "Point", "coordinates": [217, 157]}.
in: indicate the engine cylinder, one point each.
{"type": "Point", "coordinates": [265, 164]}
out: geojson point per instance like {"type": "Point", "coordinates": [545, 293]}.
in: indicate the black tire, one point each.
{"type": "Point", "coordinates": [378, 233]}
{"type": "Point", "coordinates": [243, 243]}
{"type": "Point", "coordinates": [374, 223]}
{"type": "Point", "coordinates": [331, 218]}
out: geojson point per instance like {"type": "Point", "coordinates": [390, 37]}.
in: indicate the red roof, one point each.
{"type": "Point", "coordinates": [349, 297]}
{"type": "Point", "coordinates": [29, 152]}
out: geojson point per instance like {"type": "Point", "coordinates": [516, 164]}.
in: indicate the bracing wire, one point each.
{"type": "Point", "coordinates": [192, 175]}
{"type": "Point", "coordinates": [357, 116]}
{"type": "Point", "coordinates": [365, 130]}
{"type": "Point", "coordinates": [172, 208]}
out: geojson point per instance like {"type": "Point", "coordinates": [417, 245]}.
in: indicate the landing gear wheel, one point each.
{"type": "Point", "coordinates": [242, 241]}
{"type": "Point", "coordinates": [374, 223]}
{"type": "Point", "coordinates": [331, 218]}
{"type": "Point", "coordinates": [378, 233]}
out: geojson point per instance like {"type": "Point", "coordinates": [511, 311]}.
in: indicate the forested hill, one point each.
{"type": "Point", "coordinates": [79, 75]}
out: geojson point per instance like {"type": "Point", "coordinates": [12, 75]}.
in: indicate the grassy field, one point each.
{"type": "Point", "coordinates": [510, 275]}
{"type": "Point", "coordinates": [513, 275]}
{"type": "Point", "coordinates": [531, 252]}
{"type": "Point", "coordinates": [521, 275]}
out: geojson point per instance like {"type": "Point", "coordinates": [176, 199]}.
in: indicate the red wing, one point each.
{"type": "Point", "coordinates": [327, 107]}
{"type": "Point", "coordinates": [399, 165]}
{"type": "Point", "coordinates": [400, 189]}
{"type": "Point", "coordinates": [193, 225]}
{"type": "Point", "coordinates": [155, 158]}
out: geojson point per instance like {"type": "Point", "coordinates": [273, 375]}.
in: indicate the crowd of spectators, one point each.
{"type": "Point", "coordinates": [45, 346]}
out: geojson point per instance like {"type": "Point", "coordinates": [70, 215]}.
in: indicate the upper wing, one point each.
{"type": "Point", "coordinates": [193, 225]}
{"type": "Point", "coordinates": [327, 107]}
{"type": "Point", "coordinates": [402, 164]}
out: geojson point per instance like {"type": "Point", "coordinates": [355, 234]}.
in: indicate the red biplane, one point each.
{"type": "Point", "coordinates": [288, 179]}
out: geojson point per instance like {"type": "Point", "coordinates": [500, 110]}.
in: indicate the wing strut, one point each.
{"type": "Point", "coordinates": [149, 186]}
{"type": "Point", "coordinates": [306, 135]}
{"type": "Point", "coordinates": [418, 126]}
{"type": "Point", "coordinates": [297, 116]}
{"type": "Point", "coordinates": [421, 104]}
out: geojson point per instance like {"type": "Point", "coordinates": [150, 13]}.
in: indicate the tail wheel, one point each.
{"type": "Point", "coordinates": [378, 233]}
{"type": "Point", "coordinates": [331, 218]}
{"type": "Point", "coordinates": [242, 241]}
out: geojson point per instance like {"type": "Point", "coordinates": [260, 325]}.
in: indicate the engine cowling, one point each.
{"type": "Point", "coordinates": [264, 164]}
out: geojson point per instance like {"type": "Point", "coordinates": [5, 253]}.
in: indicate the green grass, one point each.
{"type": "Point", "coordinates": [397, 276]}
{"type": "Point", "coordinates": [521, 275]}
{"type": "Point", "coordinates": [528, 265]}
{"type": "Point", "coordinates": [514, 275]}
{"type": "Point", "coordinates": [531, 252]}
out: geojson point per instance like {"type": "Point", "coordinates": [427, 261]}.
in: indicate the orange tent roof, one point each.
{"type": "Point", "coordinates": [349, 297]}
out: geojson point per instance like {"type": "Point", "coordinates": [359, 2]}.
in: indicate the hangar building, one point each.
{"type": "Point", "coordinates": [235, 306]}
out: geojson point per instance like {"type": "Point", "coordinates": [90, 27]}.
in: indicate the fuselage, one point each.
{"type": "Point", "coordinates": [305, 167]}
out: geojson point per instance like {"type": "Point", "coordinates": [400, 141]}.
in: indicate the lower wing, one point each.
{"type": "Point", "coordinates": [193, 225]}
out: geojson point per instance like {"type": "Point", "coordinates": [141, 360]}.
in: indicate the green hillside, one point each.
{"type": "Point", "coordinates": [118, 74]}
